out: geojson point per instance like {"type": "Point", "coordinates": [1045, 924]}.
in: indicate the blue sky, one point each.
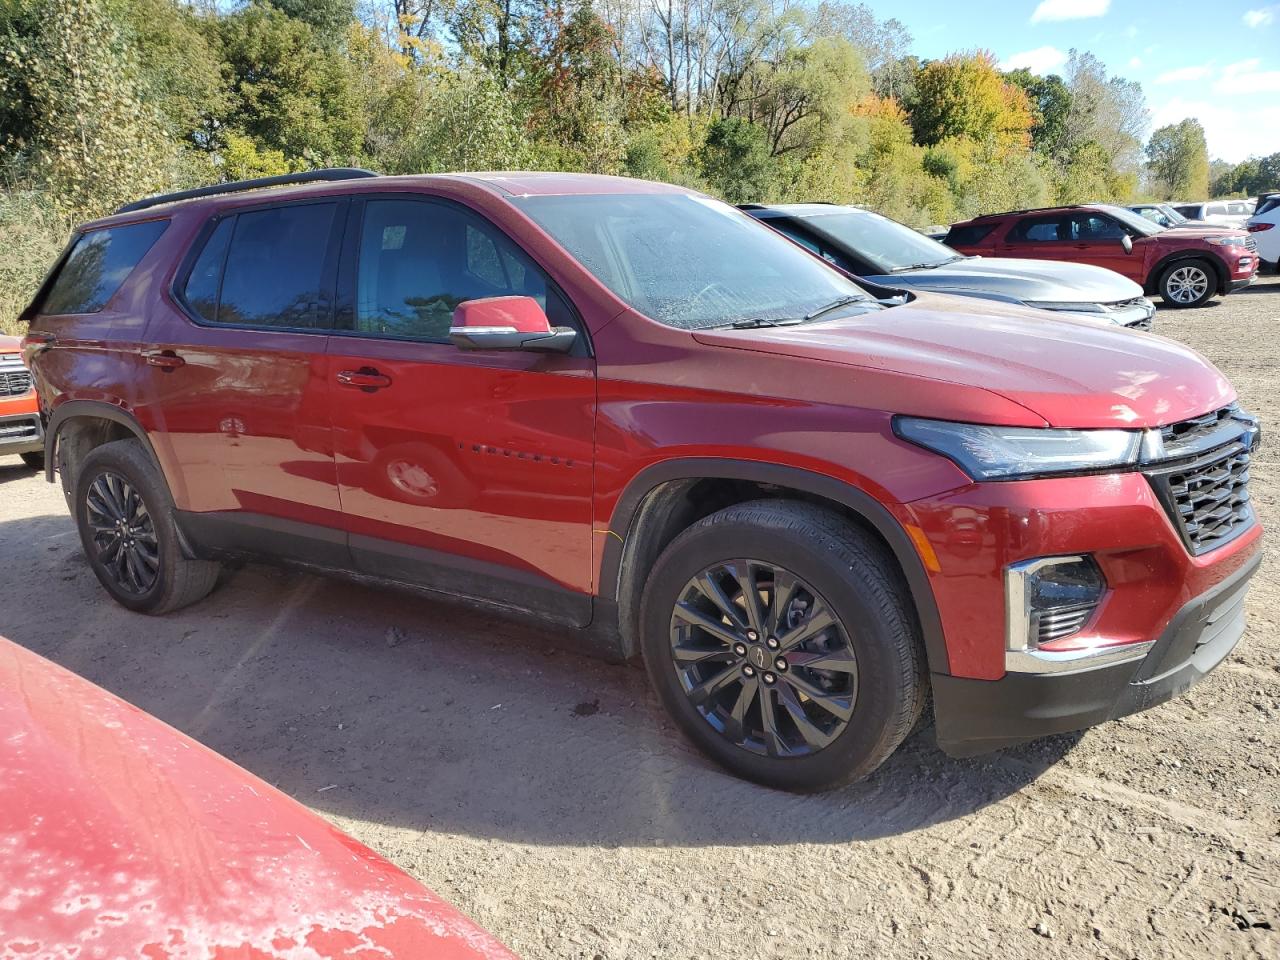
{"type": "Point", "coordinates": [1218, 62]}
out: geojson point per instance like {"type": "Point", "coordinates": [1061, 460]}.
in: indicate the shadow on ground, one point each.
{"type": "Point", "coordinates": [386, 707]}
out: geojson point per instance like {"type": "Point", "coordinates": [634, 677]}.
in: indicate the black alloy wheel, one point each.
{"type": "Point", "coordinates": [123, 534]}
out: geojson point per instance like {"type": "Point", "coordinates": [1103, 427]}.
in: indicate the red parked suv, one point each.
{"type": "Point", "coordinates": [632, 410]}
{"type": "Point", "coordinates": [21, 431]}
{"type": "Point", "coordinates": [1187, 266]}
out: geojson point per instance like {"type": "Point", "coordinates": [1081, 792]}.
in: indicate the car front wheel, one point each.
{"type": "Point", "coordinates": [1188, 283]}
{"type": "Point", "coordinates": [778, 637]}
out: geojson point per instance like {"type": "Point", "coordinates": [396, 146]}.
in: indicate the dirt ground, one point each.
{"type": "Point", "coordinates": [545, 794]}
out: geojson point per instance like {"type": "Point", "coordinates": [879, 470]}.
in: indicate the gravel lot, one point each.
{"type": "Point", "coordinates": [544, 793]}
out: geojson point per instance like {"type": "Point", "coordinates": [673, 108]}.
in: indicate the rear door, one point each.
{"type": "Point", "coordinates": [1044, 237]}
{"type": "Point", "coordinates": [469, 472]}
{"type": "Point", "coordinates": [238, 383]}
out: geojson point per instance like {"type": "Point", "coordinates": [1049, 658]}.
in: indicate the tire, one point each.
{"type": "Point", "coordinates": [34, 460]}
{"type": "Point", "coordinates": [867, 665]}
{"type": "Point", "coordinates": [1188, 283]}
{"type": "Point", "coordinates": [119, 479]}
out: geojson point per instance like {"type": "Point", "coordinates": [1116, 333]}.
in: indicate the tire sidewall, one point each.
{"type": "Point", "coordinates": [862, 743]}
{"type": "Point", "coordinates": [1210, 289]}
{"type": "Point", "coordinates": [103, 460]}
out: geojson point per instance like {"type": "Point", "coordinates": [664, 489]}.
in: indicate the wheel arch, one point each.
{"type": "Point", "coordinates": [1219, 268]}
{"type": "Point", "coordinates": [666, 498]}
{"type": "Point", "coordinates": [110, 421]}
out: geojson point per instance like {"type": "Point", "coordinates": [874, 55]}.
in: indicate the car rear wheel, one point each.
{"type": "Point", "coordinates": [34, 460]}
{"type": "Point", "coordinates": [124, 514]}
{"type": "Point", "coordinates": [1188, 283]}
{"type": "Point", "coordinates": [779, 638]}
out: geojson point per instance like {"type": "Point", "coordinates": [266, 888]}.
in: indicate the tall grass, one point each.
{"type": "Point", "coordinates": [31, 235]}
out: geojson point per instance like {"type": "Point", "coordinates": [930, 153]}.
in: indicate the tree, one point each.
{"type": "Point", "coordinates": [1051, 105]}
{"type": "Point", "coordinates": [1108, 111]}
{"type": "Point", "coordinates": [965, 95]}
{"type": "Point", "coordinates": [329, 18]}
{"type": "Point", "coordinates": [286, 90]}
{"type": "Point", "coordinates": [1178, 160]}
{"type": "Point", "coordinates": [736, 162]}
{"type": "Point", "coordinates": [73, 112]}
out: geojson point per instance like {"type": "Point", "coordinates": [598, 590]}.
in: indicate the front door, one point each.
{"type": "Point", "coordinates": [469, 472]}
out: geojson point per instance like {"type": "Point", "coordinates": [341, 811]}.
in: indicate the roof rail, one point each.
{"type": "Point", "coordinates": [236, 186]}
{"type": "Point", "coordinates": [1060, 206]}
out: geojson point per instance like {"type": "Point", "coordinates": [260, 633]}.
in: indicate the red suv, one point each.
{"type": "Point", "coordinates": [1187, 266]}
{"type": "Point", "coordinates": [634, 411]}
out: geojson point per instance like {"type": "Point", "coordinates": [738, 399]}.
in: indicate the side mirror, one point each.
{"type": "Point", "coordinates": [507, 323]}
{"type": "Point", "coordinates": [1127, 242]}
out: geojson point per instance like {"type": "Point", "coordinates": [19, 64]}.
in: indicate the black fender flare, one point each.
{"type": "Point", "coordinates": [88, 409]}
{"type": "Point", "coordinates": [816, 484]}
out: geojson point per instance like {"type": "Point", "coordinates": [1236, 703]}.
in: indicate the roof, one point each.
{"type": "Point", "coordinates": [507, 183]}
{"type": "Point", "coordinates": [816, 209]}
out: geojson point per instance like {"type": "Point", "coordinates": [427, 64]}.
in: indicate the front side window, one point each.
{"type": "Point", "coordinates": [688, 261]}
{"type": "Point", "coordinates": [1092, 227]}
{"type": "Point", "coordinates": [419, 259]}
{"type": "Point", "coordinates": [98, 265]}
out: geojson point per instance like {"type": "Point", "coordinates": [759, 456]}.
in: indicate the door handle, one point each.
{"type": "Point", "coordinates": [366, 378]}
{"type": "Point", "coordinates": [164, 359]}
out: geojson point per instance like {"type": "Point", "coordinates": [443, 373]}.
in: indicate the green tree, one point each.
{"type": "Point", "coordinates": [329, 18]}
{"type": "Point", "coordinates": [736, 161]}
{"type": "Point", "coordinates": [965, 95]}
{"type": "Point", "coordinates": [1178, 160]}
{"type": "Point", "coordinates": [287, 91]}
{"type": "Point", "coordinates": [74, 115]}
{"type": "Point", "coordinates": [1051, 105]}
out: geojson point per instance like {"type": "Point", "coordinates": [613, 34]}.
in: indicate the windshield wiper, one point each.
{"type": "Point", "coordinates": [752, 323]}
{"type": "Point", "coordinates": [926, 266]}
{"type": "Point", "coordinates": [836, 305]}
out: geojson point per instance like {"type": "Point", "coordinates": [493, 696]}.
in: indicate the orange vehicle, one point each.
{"type": "Point", "coordinates": [21, 432]}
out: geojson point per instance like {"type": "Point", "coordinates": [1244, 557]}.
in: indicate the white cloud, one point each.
{"type": "Point", "coordinates": [1186, 74]}
{"type": "Point", "coordinates": [1069, 10]}
{"type": "Point", "coordinates": [1233, 132]}
{"type": "Point", "coordinates": [1041, 60]}
{"type": "Point", "coordinates": [1244, 77]}
{"type": "Point", "coordinates": [1135, 63]}
{"type": "Point", "coordinates": [1263, 17]}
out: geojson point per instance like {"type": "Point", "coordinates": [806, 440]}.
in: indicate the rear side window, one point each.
{"type": "Point", "coordinates": [266, 268]}
{"type": "Point", "coordinates": [967, 234]}
{"type": "Point", "coordinates": [98, 265]}
{"type": "Point", "coordinates": [1266, 206]}
{"type": "Point", "coordinates": [1042, 230]}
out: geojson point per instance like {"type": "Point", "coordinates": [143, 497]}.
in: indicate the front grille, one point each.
{"type": "Point", "coordinates": [1251, 242]}
{"type": "Point", "coordinates": [1125, 304]}
{"type": "Point", "coordinates": [13, 430]}
{"type": "Point", "coordinates": [1143, 324]}
{"type": "Point", "coordinates": [14, 383]}
{"type": "Point", "coordinates": [1202, 476]}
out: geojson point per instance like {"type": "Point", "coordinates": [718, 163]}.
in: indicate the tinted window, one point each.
{"type": "Point", "coordinates": [1041, 230]}
{"type": "Point", "coordinates": [967, 234]}
{"type": "Point", "coordinates": [98, 264]}
{"type": "Point", "coordinates": [420, 259]}
{"type": "Point", "coordinates": [275, 267]}
{"type": "Point", "coordinates": [1267, 205]}
{"type": "Point", "coordinates": [1090, 227]}
{"type": "Point", "coordinates": [201, 290]}
{"type": "Point", "coordinates": [686, 260]}
{"type": "Point", "coordinates": [1189, 210]}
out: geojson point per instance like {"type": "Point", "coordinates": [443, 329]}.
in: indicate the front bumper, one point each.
{"type": "Point", "coordinates": [21, 433]}
{"type": "Point", "coordinates": [1242, 282]}
{"type": "Point", "coordinates": [978, 716]}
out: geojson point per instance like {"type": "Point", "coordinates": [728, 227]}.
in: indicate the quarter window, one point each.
{"type": "Point", "coordinates": [419, 259]}
{"type": "Point", "coordinates": [98, 266]}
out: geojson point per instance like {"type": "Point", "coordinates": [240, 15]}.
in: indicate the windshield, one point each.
{"type": "Point", "coordinates": [1140, 224]}
{"type": "Point", "coordinates": [885, 244]}
{"type": "Point", "coordinates": [1173, 215]}
{"type": "Point", "coordinates": [689, 261]}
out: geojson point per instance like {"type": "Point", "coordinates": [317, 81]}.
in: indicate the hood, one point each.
{"type": "Point", "coordinates": [1201, 230]}
{"type": "Point", "coordinates": [135, 841]}
{"type": "Point", "coordinates": [1067, 373]}
{"type": "Point", "coordinates": [1020, 280]}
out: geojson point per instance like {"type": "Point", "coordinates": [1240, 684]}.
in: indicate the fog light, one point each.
{"type": "Point", "coordinates": [1050, 598]}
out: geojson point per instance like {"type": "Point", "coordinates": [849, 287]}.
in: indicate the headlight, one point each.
{"type": "Point", "coordinates": [1228, 241]}
{"type": "Point", "coordinates": [1008, 453]}
{"type": "Point", "coordinates": [1073, 307]}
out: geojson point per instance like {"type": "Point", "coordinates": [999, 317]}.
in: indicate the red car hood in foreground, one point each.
{"type": "Point", "coordinates": [122, 838]}
{"type": "Point", "coordinates": [1065, 373]}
